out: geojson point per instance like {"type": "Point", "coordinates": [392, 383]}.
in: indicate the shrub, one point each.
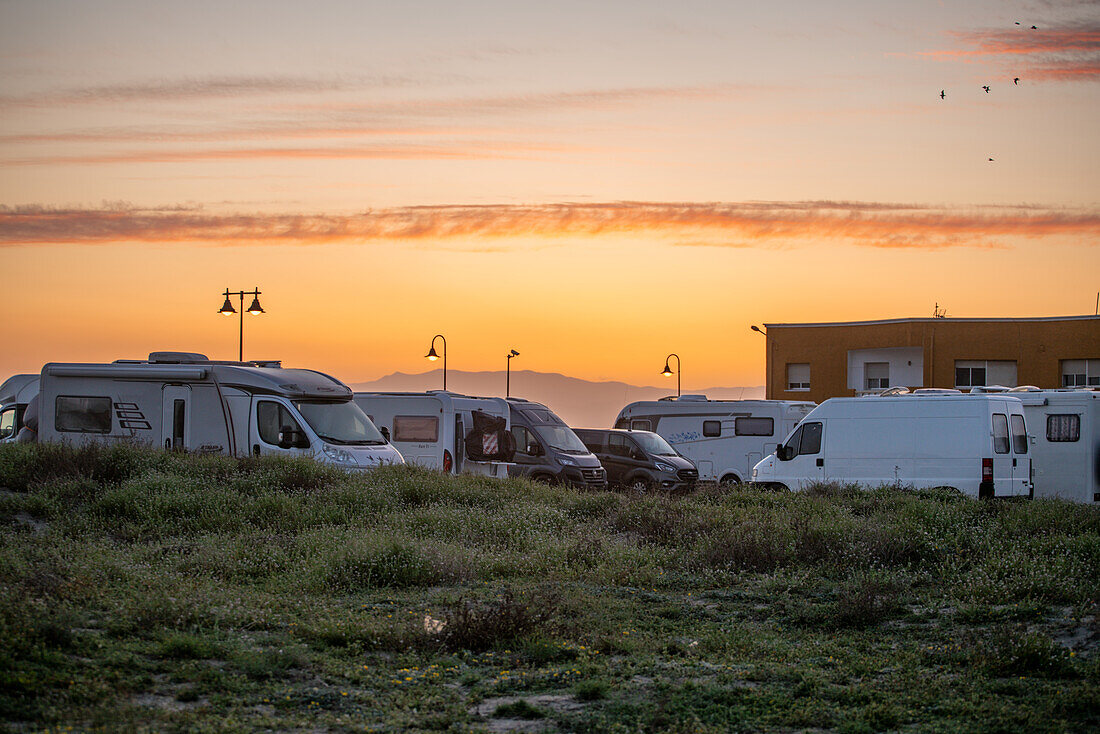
{"type": "Point", "coordinates": [391, 564]}
{"type": "Point", "coordinates": [477, 627]}
{"type": "Point", "coordinates": [1017, 652]}
{"type": "Point", "coordinates": [518, 710]}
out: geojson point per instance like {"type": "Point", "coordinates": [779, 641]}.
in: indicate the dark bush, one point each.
{"type": "Point", "coordinates": [477, 627]}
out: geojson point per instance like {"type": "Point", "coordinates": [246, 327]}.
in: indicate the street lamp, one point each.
{"type": "Point", "coordinates": [508, 379]}
{"type": "Point", "coordinates": [666, 372]}
{"type": "Point", "coordinates": [432, 356]}
{"type": "Point", "coordinates": [758, 330]}
{"type": "Point", "coordinates": [255, 309]}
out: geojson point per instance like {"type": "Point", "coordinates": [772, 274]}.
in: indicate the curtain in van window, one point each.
{"type": "Point", "coordinates": [1000, 433]}
{"type": "Point", "coordinates": [1019, 434]}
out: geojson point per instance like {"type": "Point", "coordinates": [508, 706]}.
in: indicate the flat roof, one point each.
{"type": "Point", "coordinates": [937, 320]}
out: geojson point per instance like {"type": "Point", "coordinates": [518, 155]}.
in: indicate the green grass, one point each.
{"type": "Point", "coordinates": [154, 591]}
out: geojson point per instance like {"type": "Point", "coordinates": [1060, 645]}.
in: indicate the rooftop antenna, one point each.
{"type": "Point", "coordinates": [938, 313]}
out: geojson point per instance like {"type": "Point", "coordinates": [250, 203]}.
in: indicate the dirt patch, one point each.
{"type": "Point", "coordinates": [165, 703]}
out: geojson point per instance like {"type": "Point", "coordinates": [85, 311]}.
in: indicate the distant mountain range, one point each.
{"type": "Point", "coordinates": [580, 403]}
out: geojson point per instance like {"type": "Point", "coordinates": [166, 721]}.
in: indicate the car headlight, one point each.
{"type": "Point", "coordinates": [337, 455]}
{"type": "Point", "coordinates": [661, 466]}
{"type": "Point", "coordinates": [566, 462]}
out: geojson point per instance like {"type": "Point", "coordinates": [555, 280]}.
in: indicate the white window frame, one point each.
{"type": "Point", "coordinates": [800, 385]}
{"type": "Point", "coordinates": [876, 383]}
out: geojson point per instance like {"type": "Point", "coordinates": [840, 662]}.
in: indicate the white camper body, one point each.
{"type": "Point", "coordinates": [184, 401]}
{"type": "Point", "coordinates": [15, 394]}
{"type": "Point", "coordinates": [1066, 445]}
{"type": "Point", "coordinates": [429, 428]}
{"type": "Point", "coordinates": [977, 444]}
{"type": "Point", "coordinates": [725, 438]}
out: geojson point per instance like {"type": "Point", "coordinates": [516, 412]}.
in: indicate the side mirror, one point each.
{"type": "Point", "coordinates": [637, 455]}
{"type": "Point", "coordinates": [784, 453]}
{"type": "Point", "coordinates": [533, 449]}
{"type": "Point", "coordinates": [289, 438]}
{"type": "Point", "coordinates": [385, 433]}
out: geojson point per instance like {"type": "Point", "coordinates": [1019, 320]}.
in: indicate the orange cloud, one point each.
{"type": "Point", "coordinates": [737, 224]}
{"type": "Point", "coordinates": [1070, 53]}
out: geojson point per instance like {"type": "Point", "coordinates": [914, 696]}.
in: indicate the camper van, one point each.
{"type": "Point", "coordinates": [431, 429]}
{"type": "Point", "coordinates": [977, 444]}
{"type": "Point", "coordinates": [15, 394]}
{"type": "Point", "coordinates": [1065, 449]}
{"type": "Point", "coordinates": [185, 401]}
{"type": "Point", "coordinates": [724, 438]}
{"type": "Point", "coordinates": [547, 450]}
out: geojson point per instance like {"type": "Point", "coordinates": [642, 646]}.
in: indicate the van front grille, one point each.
{"type": "Point", "coordinates": [593, 475]}
{"type": "Point", "coordinates": [688, 475]}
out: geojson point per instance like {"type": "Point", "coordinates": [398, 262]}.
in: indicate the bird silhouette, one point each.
{"type": "Point", "coordinates": [1034, 28]}
{"type": "Point", "coordinates": [1017, 22]}
{"type": "Point", "coordinates": [986, 88]}
{"type": "Point", "coordinates": [943, 94]}
{"type": "Point", "coordinates": [991, 159]}
{"type": "Point", "coordinates": [1016, 81]}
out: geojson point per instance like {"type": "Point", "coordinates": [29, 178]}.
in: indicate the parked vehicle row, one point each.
{"type": "Point", "coordinates": [976, 442]}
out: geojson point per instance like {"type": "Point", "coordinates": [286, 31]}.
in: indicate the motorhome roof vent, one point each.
{"type": "Point", "coordinates": [692, 398]}
{"type": "Point", "coordinates": [1024, 388]}
{"type": "Point", "coordinates": [890, 391]}
{"type": "Point", "coordinates": [177, 358]}
{"type": "Point", "coordinates": [936, 391]}
{"type": "Point", "coordinates": [272, 363]}
{"type": "Point", "coordinates": [979, 389]}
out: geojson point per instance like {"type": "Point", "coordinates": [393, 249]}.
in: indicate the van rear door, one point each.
{"type": "Point", "coordinates": [1002, 454]}
{"type": "Point", "coordinates": [1021, 459]}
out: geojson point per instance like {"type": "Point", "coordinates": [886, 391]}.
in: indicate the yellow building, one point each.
{"type": "Point", "coordinates": [819, 361]}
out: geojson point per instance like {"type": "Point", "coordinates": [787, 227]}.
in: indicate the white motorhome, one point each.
{"type": "Point", "coordinates": [184, 401]}
{"type": "Point", "coordinates": [977, 444]}
{"type": "Point", "coordinates": [15, 394]}
{"type": "Point", "coordinates": [430, 428]}
{"type": "Point", "coordinates": [1065, 449]}
{"type": "Point", "coordinates": [725, 438]}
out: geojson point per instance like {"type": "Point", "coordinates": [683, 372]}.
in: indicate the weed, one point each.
{"type": "Point", "coordinates": [476, 627]}
{"type": "Point", "coordinates": [518, 710]}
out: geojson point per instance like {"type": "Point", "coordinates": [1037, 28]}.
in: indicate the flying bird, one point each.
{"type": "Point", "coordinates": [943, 94]}
{"type": "Point", "coordinates": [1017, 22]}
{"type": "Point", "coordinates": [991, 160]}
{"type": "Point", "coordinates": [1034, 28]}
{"type": "Point", "coordinates": [986, 88]}
{"type": "Point", "coordinates": [1016, 81]}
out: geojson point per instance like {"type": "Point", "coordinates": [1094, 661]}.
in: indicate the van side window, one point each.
{"type": "Point", "coordinates": [811, 439]}
{"type": "Point", "coordinates": [712, 428]}
{"type": "Point", "coordinates": [1000, 433]}
{"type": "Point", "coordinates": [1064, 427]}
{"type": "Point", "coordinates": [618, 445]}
{"type": "Point", "coordinates": [524, 438]}
{"type": "Point", "coordinates": [1019, 434]}
{"type": "Point", "coordinates": [795, 440]}
{"type": "Point", "coordinates": [416, 428]}
{"type": "Point", "coordinates": [754, 426]}
{"type": "Point", "coordinates": [640, 425]}
{"type": "Point", "coordinates": [270, 419]}
{"type": "Point", "coordinates": [622, 423]}
{"type": "Point", "coordinates": [7, 423]}
{"type": "Point", "coordinates": [82, 415]}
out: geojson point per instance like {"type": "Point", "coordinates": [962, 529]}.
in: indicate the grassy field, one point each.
{"type": "Point", "coordinates": [151, 591]}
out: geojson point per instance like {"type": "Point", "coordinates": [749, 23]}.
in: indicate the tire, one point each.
{"type": "Point", "coordinates": [729, 480]}
{"type": "Point", "coordinates": [640, 484]}
{"type": "Point", "coordinates": [542, 479]}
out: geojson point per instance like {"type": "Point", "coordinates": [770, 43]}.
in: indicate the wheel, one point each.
{"type": "Point", "coordinates": [542, 478]}
{"type": "Point", "coordinates": [729, 480]}
{"type": "Point", "coordinates": [640, 484]}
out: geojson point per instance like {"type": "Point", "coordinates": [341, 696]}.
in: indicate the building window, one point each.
{"type": "Point", "coordinates": [876, 375]}
{"type": "Point", "coordinates": [981, 372]}
{"type": "Point", "coordinates": [1064, 427]}
{"type": "Point", "coordinates": [712, 429]}
{"type": "Point", "coordinates": [1080, 372]}
{"type": "Point", "coordinates": [798, 376]}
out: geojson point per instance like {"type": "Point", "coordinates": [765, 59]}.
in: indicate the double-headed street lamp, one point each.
{"type": "Point", "coordinates": [666, 372]}
{"type": "Point", "coordinates": [432, 356]}
{"type": "Point", "coordinates": [228, 310]}
{"type": "Point", "coordinates": [508, 375]}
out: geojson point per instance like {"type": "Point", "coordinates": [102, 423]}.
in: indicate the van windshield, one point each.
{"type": "Point", "coordinates": [342, 423]}
{"type": "Point", "coordinates": [653, 444]}
{"type": "Point", "coordinates": [561, 438]}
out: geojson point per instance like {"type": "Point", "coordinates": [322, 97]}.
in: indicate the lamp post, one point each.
{"type": "Point", "coordinates": [228, 310]}
{"type": "Point", "coordinates": [666, 372]}
{"type": "Point", "coordinates": [432, 356]}
{"type": "Point", "coordinates": [508, 373]}
{"type": "Point", "coordinates": [758, 330]}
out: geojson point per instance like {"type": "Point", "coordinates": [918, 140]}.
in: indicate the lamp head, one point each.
{"type": "Point", "coordinates": [756, 328]}
{"type": "Point", "coordinates": [227, 307]}
{"type": "Point", "coordinates": [513, 354]}
{"type": "Point", "coordinates": [255, 309]}
{"type": "Point", "coordinates": [431, 355]}
{"type": "Point", "coordinates": [666, 372]}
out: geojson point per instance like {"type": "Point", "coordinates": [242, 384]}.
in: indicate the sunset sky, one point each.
{"type": "Point", "coordinates": [592, 184]}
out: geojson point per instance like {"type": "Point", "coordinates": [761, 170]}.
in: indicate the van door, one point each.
{"type": "Point", "coordinates": [175, 421]}
{"type": "Point", "coordinates": [274, 429]}
{"type": "Point", "coordinates": [1021, 460]}
{"type": "Point", "coordinates": [808, 463]}
{"type": "Point", "coordinates": [1002, 455]}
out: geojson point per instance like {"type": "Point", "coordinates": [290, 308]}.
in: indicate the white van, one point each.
{"type": "Point", "coordinates": [1065, 451]}
{"type": "Point", "coordinates": [15, 394]}
{"type": "Point", "coordinates": [184, 401]}
{"type": "Point", "coordinates": [977, 444]}
{"type": "Point", "coordinates": [724, 438]}
{"type": "Point", "coordinates": [430, 428]}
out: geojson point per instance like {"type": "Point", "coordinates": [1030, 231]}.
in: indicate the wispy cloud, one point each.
{"type": "Point", "coordinates": [737, 224]}
{"type": "Point", "coordinates": [1067, 53]}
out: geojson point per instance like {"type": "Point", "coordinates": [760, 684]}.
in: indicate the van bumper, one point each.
{"type": "Point", "coordinates": [588, 478]}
